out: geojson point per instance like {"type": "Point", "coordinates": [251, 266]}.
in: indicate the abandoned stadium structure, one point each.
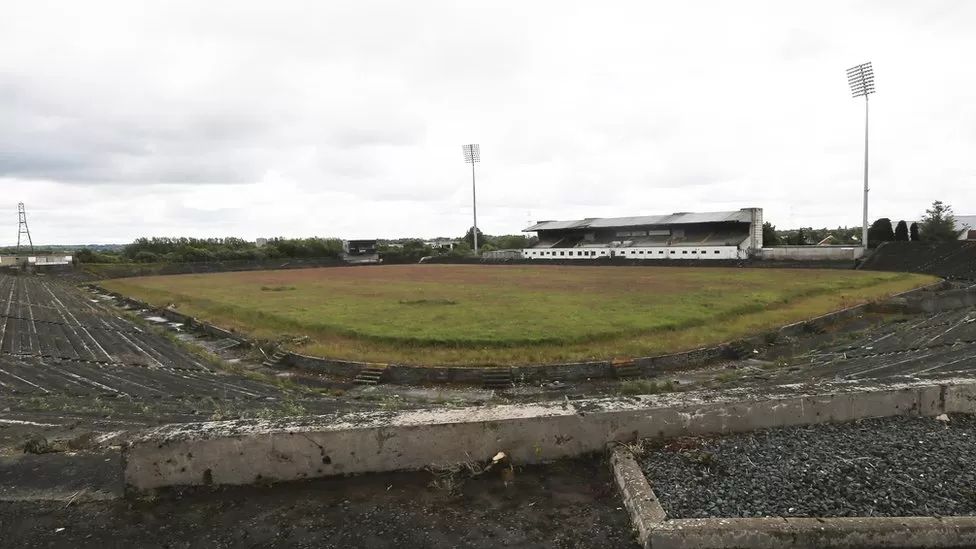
{"type": "Point", "coordinates": [709, 235]}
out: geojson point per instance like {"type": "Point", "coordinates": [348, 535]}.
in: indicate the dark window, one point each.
{"type": "Point", "coordinates": [684, 252]}
{"type": "Point", "coordinates": [716, 251]}
{"type": "Point", "coordinates": [660, 251]}
{"type": "Point", "coordinates": [562, 253]}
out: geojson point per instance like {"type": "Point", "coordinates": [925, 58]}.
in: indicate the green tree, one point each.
{"type": "Point", "coordinates": [880, 231]}
{"type": "Point", "coordinates": [913, 232]}
{"type": "Point", "coordinates": [85, 255]}
{"type": "Point", "coordinates": [938, 223]}
{"type": "Point", "coordinates": [799, 238]}
{"type": "Point", "coordinates": [770, 238]}
{"type": "Point", "coordinates": [463, 249]}
{"type": "Point", "coordinates": [511, 242]}
{"type": "Point", "coordinates": [469, 238]}
{"type": "Point", "coordinates": [901, 231]}
{"type": "Point", "coordinates": [410, 251]}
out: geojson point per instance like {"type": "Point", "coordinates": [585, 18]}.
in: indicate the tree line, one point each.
{"type": "Point", "coordinates": [937, 225]}
{"type": "Point", "coordinates": [184, 250]}
{"type": "Point", "coordinates": [412, 250]}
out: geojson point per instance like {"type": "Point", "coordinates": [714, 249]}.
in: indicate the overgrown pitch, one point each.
{"type": "Point", "coordinates": [495, 314]}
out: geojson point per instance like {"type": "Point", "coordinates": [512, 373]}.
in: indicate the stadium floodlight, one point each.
{"type": "Point", "coordinates": [861, 80]}
{"type": "Point", "coordinates": [472, 155]}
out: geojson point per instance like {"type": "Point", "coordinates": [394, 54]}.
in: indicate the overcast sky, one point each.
{"type": "Point", "coordinates": [124, 119]}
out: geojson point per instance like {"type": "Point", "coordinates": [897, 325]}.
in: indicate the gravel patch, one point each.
{"type": "Point", "coordinates": [898, 466]}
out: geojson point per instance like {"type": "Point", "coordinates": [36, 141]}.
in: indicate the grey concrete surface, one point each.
{"type": "Point", "coordinates": [639, 499]}
{"type": "Point", "coordinates": [815, 533]}
{"type": "Point", "coordinates": [247, 451]}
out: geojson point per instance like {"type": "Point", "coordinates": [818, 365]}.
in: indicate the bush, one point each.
{"type": "Point", "coordinates": [880, 231]}
{"type": "Point", "coordinates": [146, 257]}
{"type": "Point", "coordinates": [901, 231]}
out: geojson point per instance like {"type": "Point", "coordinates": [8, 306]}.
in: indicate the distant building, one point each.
{"type": "Point", "coordinates": [261, 242]}
{"type": "Point", "coordinates": [360, 251]}
{"type": "Point", "coordinates": [710, 235]}
{"type": "Point", "coordinates": [359, 247]}
{"type": "Point", "coordinates": [36, 261]}
{"type": "Point", "coordinates": [442, 244]}
{"type": "Point", "coordinates": [966, 227]}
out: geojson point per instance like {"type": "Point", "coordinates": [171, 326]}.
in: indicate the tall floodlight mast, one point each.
{"type": "Point", "coordinates": [861, 79]}
{"type": "Point", "coordinates": [22, 227]}
{"type": "Point", "coordinates": [472, 155]}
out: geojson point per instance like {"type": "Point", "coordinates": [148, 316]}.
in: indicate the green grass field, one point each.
{"type": "Point", "coordinates": [496, 314]}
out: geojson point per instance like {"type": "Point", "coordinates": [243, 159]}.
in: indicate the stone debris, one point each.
{"type": "Point", "coordinates": [897, 466]}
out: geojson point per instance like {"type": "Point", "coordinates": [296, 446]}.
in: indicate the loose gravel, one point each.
{"type": "Point", "coordinates": [898, 466]}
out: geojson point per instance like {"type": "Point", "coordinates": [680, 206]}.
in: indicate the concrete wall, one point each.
{"type": "Point", "coordinates": [36, 259]}
{"type": "Point", "coordinates": [633, 252]}
{"type": "Point", "coordinates": [246, 451]}
{"type": "Point", "coordinates": [933, 302]}
{"type": "Point", "coordinates": [812, 253]}
{"type": "Point", "coordinates": [502, 255]}
{"type": "Point", "coordinates": [755, 242]}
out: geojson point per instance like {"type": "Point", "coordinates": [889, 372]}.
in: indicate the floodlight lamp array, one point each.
{"type": "Point", "coordinates": [861, 79]}
{"type": "Point", "coordinates": [472, 153]}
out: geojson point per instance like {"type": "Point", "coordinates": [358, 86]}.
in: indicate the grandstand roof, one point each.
{"type": "Point", "coordinates": [681, 218]}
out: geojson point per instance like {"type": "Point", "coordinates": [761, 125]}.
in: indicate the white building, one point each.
{"type": "Point", "coordinates": [685, 235]}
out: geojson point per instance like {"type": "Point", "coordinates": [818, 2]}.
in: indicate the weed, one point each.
{"type": "Point", "coordinates": [728, 376]}
{"type": "Point", "coordinates": [451, 479]}
{"type": "Point", "coordinates": [645, 387]}
{"type": "Point", "coordinates": [637, 448]}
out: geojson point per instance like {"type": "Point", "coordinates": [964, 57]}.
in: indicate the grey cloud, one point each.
{"type": "Point", "coordinates": [347, 118]}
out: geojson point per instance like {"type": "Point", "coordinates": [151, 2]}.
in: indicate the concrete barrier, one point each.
{"type": "Point", "coordinates": [245, 451]}
{"type": "Point", "coordinates": [812, 253]}
{"type": "Point", "coordinates": [641, 503]}
{"type": "Point", "coordinates": [815, 533]}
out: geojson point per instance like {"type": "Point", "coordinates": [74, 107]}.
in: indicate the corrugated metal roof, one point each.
{"type": "Point", "coordinates": [681, 218]}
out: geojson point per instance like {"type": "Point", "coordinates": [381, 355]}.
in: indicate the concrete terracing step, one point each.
{"type": "Point", "coordinates": [371, 374]}
{"type": "Point", "coordinates": [226, 343]}
{"type": "Point", "coordinates": [625, 369]}
{"type": "Point", "coordinates": [275, 359]}
{"type": "Point", "coordinates": [500, 378]}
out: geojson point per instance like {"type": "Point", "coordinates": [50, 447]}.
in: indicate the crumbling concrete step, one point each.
{"type": "Point", "coordinates": [370, 375]}
{"type": "Point", "coordinates": [226, 343]}
{"type": "Point", "coordinates": [625, 369]}
{"type": "Point", "coordinates": [497, 379]}
{"type": "Point", "coordinates": [275, 359]}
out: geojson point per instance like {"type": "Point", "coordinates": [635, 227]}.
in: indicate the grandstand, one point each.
{"type": "Point", "coordinates": [709, 235]}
